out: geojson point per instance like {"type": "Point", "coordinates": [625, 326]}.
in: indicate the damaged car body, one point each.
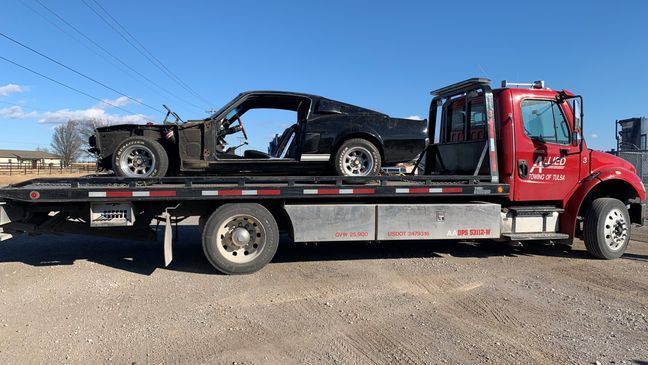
{"type": "Point", "coordinates": [327, 136]}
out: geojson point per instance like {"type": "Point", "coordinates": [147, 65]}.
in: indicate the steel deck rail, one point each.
{"type": "Point", "coordinates": [96, 189]}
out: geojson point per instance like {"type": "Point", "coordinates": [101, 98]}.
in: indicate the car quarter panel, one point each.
{"type": "Point", "coordinates": [399, 140]}
{"type": "Point", "coordinates": [108, 138]}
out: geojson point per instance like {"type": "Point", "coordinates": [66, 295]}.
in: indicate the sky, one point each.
{"type": "Point", "coordinates": [383, 55]}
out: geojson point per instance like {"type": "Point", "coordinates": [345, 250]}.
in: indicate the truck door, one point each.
{"type": "Point", "coordinates": [548, 164]}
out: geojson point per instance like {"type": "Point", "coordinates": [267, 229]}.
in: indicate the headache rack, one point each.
{"type": "Point", "coordinates": [485, 152]}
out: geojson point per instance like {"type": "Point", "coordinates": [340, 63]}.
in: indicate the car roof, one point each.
{"type": "Point", "coordinates": [277, 92]}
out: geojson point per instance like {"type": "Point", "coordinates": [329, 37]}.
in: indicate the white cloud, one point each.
{"type": "Point", "coordinates": [111, 103]}
{"type": "Point", "coordinates": [415, 117]}
{"type": "Point", "coordinates": [16, 112]}
{"type": "Point", "coordinates": [63, 115]}
{"type": "Point", "coordinates": [9, 89]}
{"type": "Point", "coordinates": [593, 136]}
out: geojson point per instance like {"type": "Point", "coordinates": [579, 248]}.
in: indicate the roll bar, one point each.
{"type": "Point", "coordinates": [469, 88]}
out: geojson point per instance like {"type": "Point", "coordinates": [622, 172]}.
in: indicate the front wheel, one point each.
{"type": "Point", "coordinates": [606, 230]}
{"type": "Point", "coordinates": [240, 238]}
{"type": "Point", "coordinates": [140, 157]}
{"type": "Point", "coordinates": [357, 157]}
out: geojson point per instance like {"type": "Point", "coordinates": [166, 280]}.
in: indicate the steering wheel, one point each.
{"type": "Point", "coordinates": [240, 122]}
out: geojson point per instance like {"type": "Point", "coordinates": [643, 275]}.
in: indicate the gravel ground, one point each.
{"type": "Point", "coordinates": [76, 299]}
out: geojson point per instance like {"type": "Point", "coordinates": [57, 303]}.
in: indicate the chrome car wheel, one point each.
{"type": "Point", "coordinates": [137, 161]}
{"type": "Point", "coordinates": [357, 161]}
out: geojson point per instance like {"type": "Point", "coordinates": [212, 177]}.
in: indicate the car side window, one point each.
{"type": "Point", "coordinates": [544, 121]}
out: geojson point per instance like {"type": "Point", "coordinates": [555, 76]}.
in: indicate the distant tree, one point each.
{"type": "Point", "coordinates": [66, 142]}
{"type": "Point", "coordinates": [42, 149]}
{"type": "Point", "coordinates": [85, 129]}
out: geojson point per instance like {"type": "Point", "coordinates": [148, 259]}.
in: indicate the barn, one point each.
{"type": "Point", "coordinates": [29, 159]}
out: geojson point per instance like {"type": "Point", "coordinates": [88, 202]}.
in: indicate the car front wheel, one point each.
{"type": "Point", "coordinates": [357, 157]}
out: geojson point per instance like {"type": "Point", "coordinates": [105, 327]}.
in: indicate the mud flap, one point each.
{"type": "Point", "coordinates": [168, 239]}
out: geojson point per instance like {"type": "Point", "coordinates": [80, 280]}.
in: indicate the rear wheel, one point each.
{"type": "Point", "coordinates": [240, 238]}
{"type": "Point", "coordinates": [357, 157]}
{"type": "Point", "coordinates": [606, 229]}
{"type": "Point", "coordinates": [140, 157]}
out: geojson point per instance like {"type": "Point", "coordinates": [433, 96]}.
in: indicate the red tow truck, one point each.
{"type": "Point", "coordinates": [507, 164]}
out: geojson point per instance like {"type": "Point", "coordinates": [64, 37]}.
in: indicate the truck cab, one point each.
{"type": "Point", "coordinates": [529, 137]}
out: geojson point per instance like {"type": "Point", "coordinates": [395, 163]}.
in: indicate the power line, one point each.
{"type": "Point", "coordinates": [117, 66]}
{"type": "Point", "coordinates": [148, 55]}
{"type": "Point", "coordinates": [79, 73]}
{"type": "Point", "coordinates": [114, 57]}
{"type": "Point", "coordinates": [66, 85]}
{"type": "Point", "coordinates": [148, 52]}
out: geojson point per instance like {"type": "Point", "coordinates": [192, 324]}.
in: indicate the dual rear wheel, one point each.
{"type": "Point", "coordinates": [240, 238]}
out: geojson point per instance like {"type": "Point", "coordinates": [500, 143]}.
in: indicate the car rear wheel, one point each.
{"type": "Point", "coordinates": [357, 157]}
{"type": "Point", "coordinates": [140, 157]}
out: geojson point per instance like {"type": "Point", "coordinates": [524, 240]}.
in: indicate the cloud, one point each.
{"type": "Point", "coordinates": [16, 112]}
{"type": "Point", "coordinates": [9, 89]}
{"type": "Point", "coordinates": [63, 115]}
{"type": "Point", "coordinates": [415, 117]}
{"type": "Point", "coordinates": [593, 136]}
{"type": "Point", "coordinates": [111, 103]}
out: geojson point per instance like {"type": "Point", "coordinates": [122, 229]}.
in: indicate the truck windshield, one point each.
{"type": "Point", "coordinates": [543, 120]}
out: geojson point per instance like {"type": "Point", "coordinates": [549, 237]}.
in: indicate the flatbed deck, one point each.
{"type": "Point", "coordinates": [107, 188]}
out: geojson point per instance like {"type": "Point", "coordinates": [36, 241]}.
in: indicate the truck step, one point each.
{"type": "Point", "coordinates": [535, 236]}
{"type": "Point", "coordinates": [536, 209]}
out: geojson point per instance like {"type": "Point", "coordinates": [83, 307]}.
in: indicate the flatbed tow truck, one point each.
{"type": "Point", "coordinates": [510, 164]}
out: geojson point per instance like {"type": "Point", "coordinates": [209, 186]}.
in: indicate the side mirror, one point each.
{"type": "Point", "coordinates": [576, 105]}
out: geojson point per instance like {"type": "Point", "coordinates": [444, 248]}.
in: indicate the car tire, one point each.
{"type": "Point", "coordinates": [606, 229]}
{"type": "Point", "coordinates": [240, 238]}
{"type": "Point", "coordinates": [140, 157]}
{"type": "Point", "coordinates": [357, 157]}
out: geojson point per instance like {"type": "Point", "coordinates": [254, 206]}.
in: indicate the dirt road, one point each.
{"type": "Point", "coordinates": [86, 300]}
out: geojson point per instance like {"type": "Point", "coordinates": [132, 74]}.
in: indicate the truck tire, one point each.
{"type": "Point", "coordinates": [606, 230]}
{"type": "Point", "coordinates": [140, 157]}
{"type": "Point", "coordinates": [357, 157]}
{"type": "Point", "coordinates": [240, 238]}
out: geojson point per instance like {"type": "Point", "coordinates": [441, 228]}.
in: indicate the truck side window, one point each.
{"type": "Point", "coordinates": [543, 120]}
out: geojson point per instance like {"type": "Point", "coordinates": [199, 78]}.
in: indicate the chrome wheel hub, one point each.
{"type": "Point", "coordinates": [241, 238]}
{"type": "Point", "coordinates": [615, 230]}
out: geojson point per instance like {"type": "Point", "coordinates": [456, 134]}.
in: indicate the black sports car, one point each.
{"type": "Point", "coordinates": [326, 136]}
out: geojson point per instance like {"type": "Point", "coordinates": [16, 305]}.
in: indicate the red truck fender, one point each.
{"type": "Point", "coordinates": [616, 182]}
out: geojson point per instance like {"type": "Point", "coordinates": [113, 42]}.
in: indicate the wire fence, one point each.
{"type": "Point", "coordinates": [11, 169]}
{"type": "Point", "coordinates": [639, 159]}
